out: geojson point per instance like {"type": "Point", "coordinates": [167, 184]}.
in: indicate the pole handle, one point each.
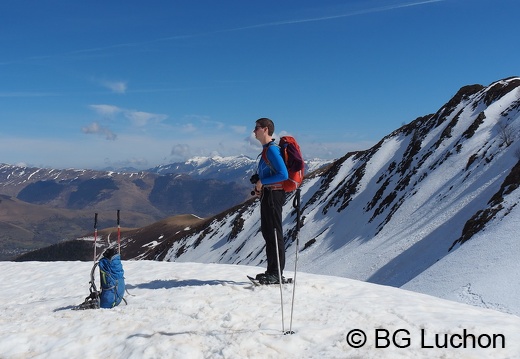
{"type": "Point", "coordinates": [296, 205]}
{"type": "Point", "coordinates": [95, 235]}
{"type": "Point", "coordinates": [118, 235]}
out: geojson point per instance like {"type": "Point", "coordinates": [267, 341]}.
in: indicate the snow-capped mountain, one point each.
{"type": "Point", "coordinates": [443, 185]}
{"type": "Point", "coordinates": [233, 168]}
{"type": "Point", "coordinates": [14, 180]}
{"type": "Point", "coordinates": [217, 167]}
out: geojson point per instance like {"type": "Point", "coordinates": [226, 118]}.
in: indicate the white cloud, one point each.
{"type": "Point", "coordinates": [137, 118]}
{"type": "Point", "coordinates": [140, 118]}
{"type": "Point", "coordinates": [106, 110]}
{"type": "Point", "coordinates": [96, 129]}
{"type": "Point", "coordinates": [181, 151]}
{"type": "Point", "coordinates": [114, 86]}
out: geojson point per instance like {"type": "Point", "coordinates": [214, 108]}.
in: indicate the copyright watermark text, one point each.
{"type": "Point", "coordinates": [403, 338]}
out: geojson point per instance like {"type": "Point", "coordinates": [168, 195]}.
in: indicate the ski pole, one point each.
{"type": "Point", "coordinates": [118, 234]}
{"type": "Point", "coordinates": [95, 235]}
{"type": "Point", "coordinates": [296, 204]}
{"type": "Point", "coordinates": [271, 204]}
{"type": "Point", "coordinates": [279, 276]}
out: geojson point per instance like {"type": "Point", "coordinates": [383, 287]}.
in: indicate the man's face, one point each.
{"type": "Point", "coordinates": [259, 131]}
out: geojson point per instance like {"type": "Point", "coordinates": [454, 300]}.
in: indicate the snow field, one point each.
{"type": "Point", "coordinates": [190, 310]}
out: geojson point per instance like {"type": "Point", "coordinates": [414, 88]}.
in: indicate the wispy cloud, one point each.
{"type": "Point", "coordinates": [106, 110]}
{"type": "Point", "coordinates": [338, 16]}
{"type": "Point", "coordinates": [121, 87]}
{"type": "Point", "coordinates": [115, 86]}
{"type": "Point", "coordinates": [140, 118]}
{"type": "Point", "coordinates": [112, 113]}
{"type": "Point", "coordinates": [181, 151]}
{"type": "Point", "coordinates": [300, 21]}
{"type": "Point", "coordinates": [137, 118]}
{"type": "Point", "coordinates": [96, 129]}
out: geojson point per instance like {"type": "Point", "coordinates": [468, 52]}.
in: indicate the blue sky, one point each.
{"type": "Point", "coordinates": [133, 83]}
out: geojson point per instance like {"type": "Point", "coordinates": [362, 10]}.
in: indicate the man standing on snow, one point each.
{"type": "Point", "coordinates": [268, 186]}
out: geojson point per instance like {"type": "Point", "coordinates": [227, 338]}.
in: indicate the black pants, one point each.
{"type": "Point", "coordinates": [271, 219]}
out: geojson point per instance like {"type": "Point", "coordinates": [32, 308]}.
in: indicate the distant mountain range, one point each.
{"type": "Point", "coordinates": [434, 197]}
{"type": "Point", "coordinates": [42, 206]}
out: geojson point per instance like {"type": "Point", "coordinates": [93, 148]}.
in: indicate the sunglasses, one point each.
{"type": "Point", "coordinates": [257, 128]}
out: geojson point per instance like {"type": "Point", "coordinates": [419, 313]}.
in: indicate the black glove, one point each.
{"type": "Point", "coordinates": [254, 178]}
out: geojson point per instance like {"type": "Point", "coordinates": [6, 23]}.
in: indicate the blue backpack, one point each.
{"type": "Point", "coordinates": [112, 281]}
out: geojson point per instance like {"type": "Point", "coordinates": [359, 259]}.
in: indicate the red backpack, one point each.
{"type": "Point", "coordinates": [293, 159]}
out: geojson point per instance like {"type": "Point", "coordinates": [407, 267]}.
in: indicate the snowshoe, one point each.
{"type": "Point", "coordinates": [267, 279]}
{"type": "Point", "coordinates": [91, 302]}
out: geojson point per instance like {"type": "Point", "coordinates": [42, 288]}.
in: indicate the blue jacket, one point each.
{"type": "Point", "coordinates": [276, 170]}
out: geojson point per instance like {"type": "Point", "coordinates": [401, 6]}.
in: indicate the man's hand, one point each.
{"type": "Point", "coordinates": [258, 187]}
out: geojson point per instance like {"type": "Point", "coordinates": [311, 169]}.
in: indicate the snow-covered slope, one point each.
{"type": "Point", "coordinates": [188, 310]}
{"type": "Point", "coordinates": [410, 203]}
{"type": "Point", "coordinates": [482, 272]}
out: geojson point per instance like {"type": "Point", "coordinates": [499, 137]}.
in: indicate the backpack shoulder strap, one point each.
{"type": "Point", "coordinates": [264, 153]}
{"type": "Point", "coordinates": [93, 288]}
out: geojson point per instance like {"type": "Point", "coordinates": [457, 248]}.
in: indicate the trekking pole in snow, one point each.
{"type": "Point", "coordinates": [95, 235]}
{"type": "Point", "coordinates": [296, 204]}
{"type": "Point", "coordinates": [118, 235]}
{"type": "Point", "coordinates": [279, 276]}
{"type": "Point", "coordinates": [271, 203]}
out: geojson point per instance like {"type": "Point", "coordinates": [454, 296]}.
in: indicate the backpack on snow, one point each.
{"type": "Point", "coordinates": [112, 280]}
{"type": "Point", "coordinates": [293, 159]}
